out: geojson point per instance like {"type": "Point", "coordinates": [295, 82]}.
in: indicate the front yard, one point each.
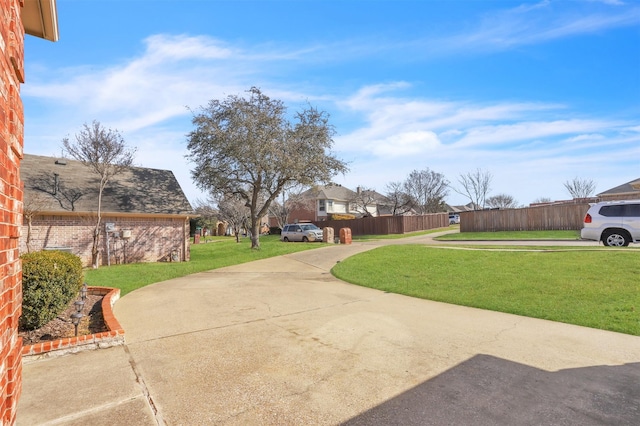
{"type": "Point", "coordinates": [597, 288]}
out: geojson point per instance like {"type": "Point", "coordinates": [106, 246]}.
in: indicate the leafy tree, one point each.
{"type": "Point", "coordinates": [106, 154]}
{"type": "Point", "coordinates": [399, 201]}
{"type": "Point", "coordinates": [502, 201]}
{"type": "Point", "coordinates": [580, 188]}
{"type": "Point", "coordinates": [427, 189]}
{"type": "Point", "coordinates": [475, 186]}
{"type": "Point", "coordinates": [250, 149]}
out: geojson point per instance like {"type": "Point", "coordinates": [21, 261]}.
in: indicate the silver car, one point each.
{"type": "Point", "coordinates": [301, 232]}
{"type": "Point", "coordinates": [615, 223]}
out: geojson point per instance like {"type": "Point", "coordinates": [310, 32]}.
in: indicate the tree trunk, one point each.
{"type": "Point", "coordinates": [255, 234]}
{"type": "Point", "coordinates": [29, 227]}
{"type": "Point", "coordinates": [95, 247]}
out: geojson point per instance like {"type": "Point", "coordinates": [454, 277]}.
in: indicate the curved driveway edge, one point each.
{"type": "Point", "coordinates": [281, 341]}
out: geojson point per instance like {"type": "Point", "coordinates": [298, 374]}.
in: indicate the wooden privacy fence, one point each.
{"type": "Point", "coordinates": [542, 218]}
{"type": "Point", "coordinates": [384, 225]}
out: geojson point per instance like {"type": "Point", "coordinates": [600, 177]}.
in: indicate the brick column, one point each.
{"type": "Point", "coordinates": [11, 142]}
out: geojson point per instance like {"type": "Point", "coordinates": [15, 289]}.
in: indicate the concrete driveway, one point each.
{"type": "Point", "coordinates": [282, 342]}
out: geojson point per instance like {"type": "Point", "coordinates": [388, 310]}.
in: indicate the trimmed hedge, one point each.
{"type": "Point", "coordinates": [50, 281]}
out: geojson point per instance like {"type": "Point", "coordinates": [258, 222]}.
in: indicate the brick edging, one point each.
{"type": "Point", "coordinates": [113, 337]}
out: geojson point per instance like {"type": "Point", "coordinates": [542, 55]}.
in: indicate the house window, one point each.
{"type": "Point", "coordinates": [321, 205]}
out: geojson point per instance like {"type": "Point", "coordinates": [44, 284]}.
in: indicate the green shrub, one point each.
{"type": "Point", "coordinates": [50, 281]}
{"type": "Point", "coordinates": [275, 230]}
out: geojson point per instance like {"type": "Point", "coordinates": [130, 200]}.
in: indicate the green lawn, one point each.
{"type": "Point", "coordinates": [595, 288]}
{"type": "Point", "coordinates": [219, 252]}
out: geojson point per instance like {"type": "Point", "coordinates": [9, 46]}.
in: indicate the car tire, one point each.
{"type": "Point", "coordinates": [285, 239]}
{"type": "Point", "coordinates": [305, 240]}
{"type": "Point", "coordinates": [615, 238]}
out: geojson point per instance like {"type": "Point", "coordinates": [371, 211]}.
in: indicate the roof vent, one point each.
{"type": "Point", "coordinates": [61, 162]}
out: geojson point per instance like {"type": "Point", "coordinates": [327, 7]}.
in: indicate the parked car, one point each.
{"type": "Point", "coordinates": [615, 223]}
{"type": "Point", "coordinates": [454, 218]}
{"type": "Point", "coordinates": [301, 232]}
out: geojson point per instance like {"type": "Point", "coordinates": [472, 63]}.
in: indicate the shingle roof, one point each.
{"type": "Point", "coordinates": [330, 192]}
{"type": "Point", "coordinates": [62, 185]}
{"type": "Point", "coordinates": [625, 188]}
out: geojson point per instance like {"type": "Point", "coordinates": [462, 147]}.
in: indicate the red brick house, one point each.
{"type": "Point", "coordinates": [17, 17]}
{"type": "Point", "coordinates": [145, 214]}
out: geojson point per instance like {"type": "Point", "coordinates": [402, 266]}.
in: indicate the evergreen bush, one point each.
{"type": "Point", "coordinates": [50, 281]}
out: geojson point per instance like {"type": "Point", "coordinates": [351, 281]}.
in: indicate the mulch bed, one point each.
{"type": "Point", "coordinates": [60, 327]}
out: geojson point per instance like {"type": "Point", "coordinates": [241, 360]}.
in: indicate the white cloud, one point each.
{"type": "Point", "coordinates": [537, 23]}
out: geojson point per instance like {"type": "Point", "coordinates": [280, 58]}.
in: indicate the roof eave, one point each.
{"type": "Point", "coordinates": [40, 19]}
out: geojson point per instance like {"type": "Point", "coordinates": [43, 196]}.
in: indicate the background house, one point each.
{"type": "Point", "coordinates": [145, 214]}
{"type": "Point", "coordinates": [626, 191]}
{"type": "Point", "coordinates": [325, 200]}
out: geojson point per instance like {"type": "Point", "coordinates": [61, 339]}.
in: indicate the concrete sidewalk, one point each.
{"type": "Point", "coordinates": [282, 342]}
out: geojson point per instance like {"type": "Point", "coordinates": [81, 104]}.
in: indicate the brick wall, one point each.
{"type": "Point", "coordinates": [152, 239]}
{"type": "Point", "coordinates": [11, 140]}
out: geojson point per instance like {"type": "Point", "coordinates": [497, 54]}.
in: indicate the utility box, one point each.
{"type": "Point", "coordinates": [126, 233]}
{"type": "Point", "coordinates": [345, 235]}
{"type": "Point", "coordinates": [328, 235]}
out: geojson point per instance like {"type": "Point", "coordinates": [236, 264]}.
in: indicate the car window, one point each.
{"type": "Point", "coordinates": [612, 211]}
{"type": "Point", "coordinates": [633, 210]}
{"type": "Point", "coordinates": [309, 227]}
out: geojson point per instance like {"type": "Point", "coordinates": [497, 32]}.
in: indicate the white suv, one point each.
{"type": "Point", "coordinates": [615, 223]}
{"type": "Point", "coordinates": [301, 232]}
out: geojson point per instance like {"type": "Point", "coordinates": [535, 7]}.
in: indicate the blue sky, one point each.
{"type": "Point", "coordinates": [535, 92]}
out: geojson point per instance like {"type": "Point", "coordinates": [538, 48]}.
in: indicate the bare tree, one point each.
{"type": "Point", "coordinates": [292, 199]}
{"type": "Point", "coordinates": [502, 201]}
{"type": "Point", "coordinates": [32, 206]}
{"type": "Point", "coordinates": [580, 188]}
{"type": "Point", "coordinates": [233, 210]}
{"type": "Point", "coordinates": [365, 201]}
{"type": "Point", "coordinates": [475, 186]}
{"type": "Point", "coordinates": [105, 153]}
{"type": "Point", "coordinates": [399, 201]}
{"type": "Point", "coordinates": [249, 148]}
{"type": "Point", "coordinates": [207, 213]}
{"type": "Point", "coordinates": [542, 200]}
{"type": "Point", "coordinates": [427, 189]}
